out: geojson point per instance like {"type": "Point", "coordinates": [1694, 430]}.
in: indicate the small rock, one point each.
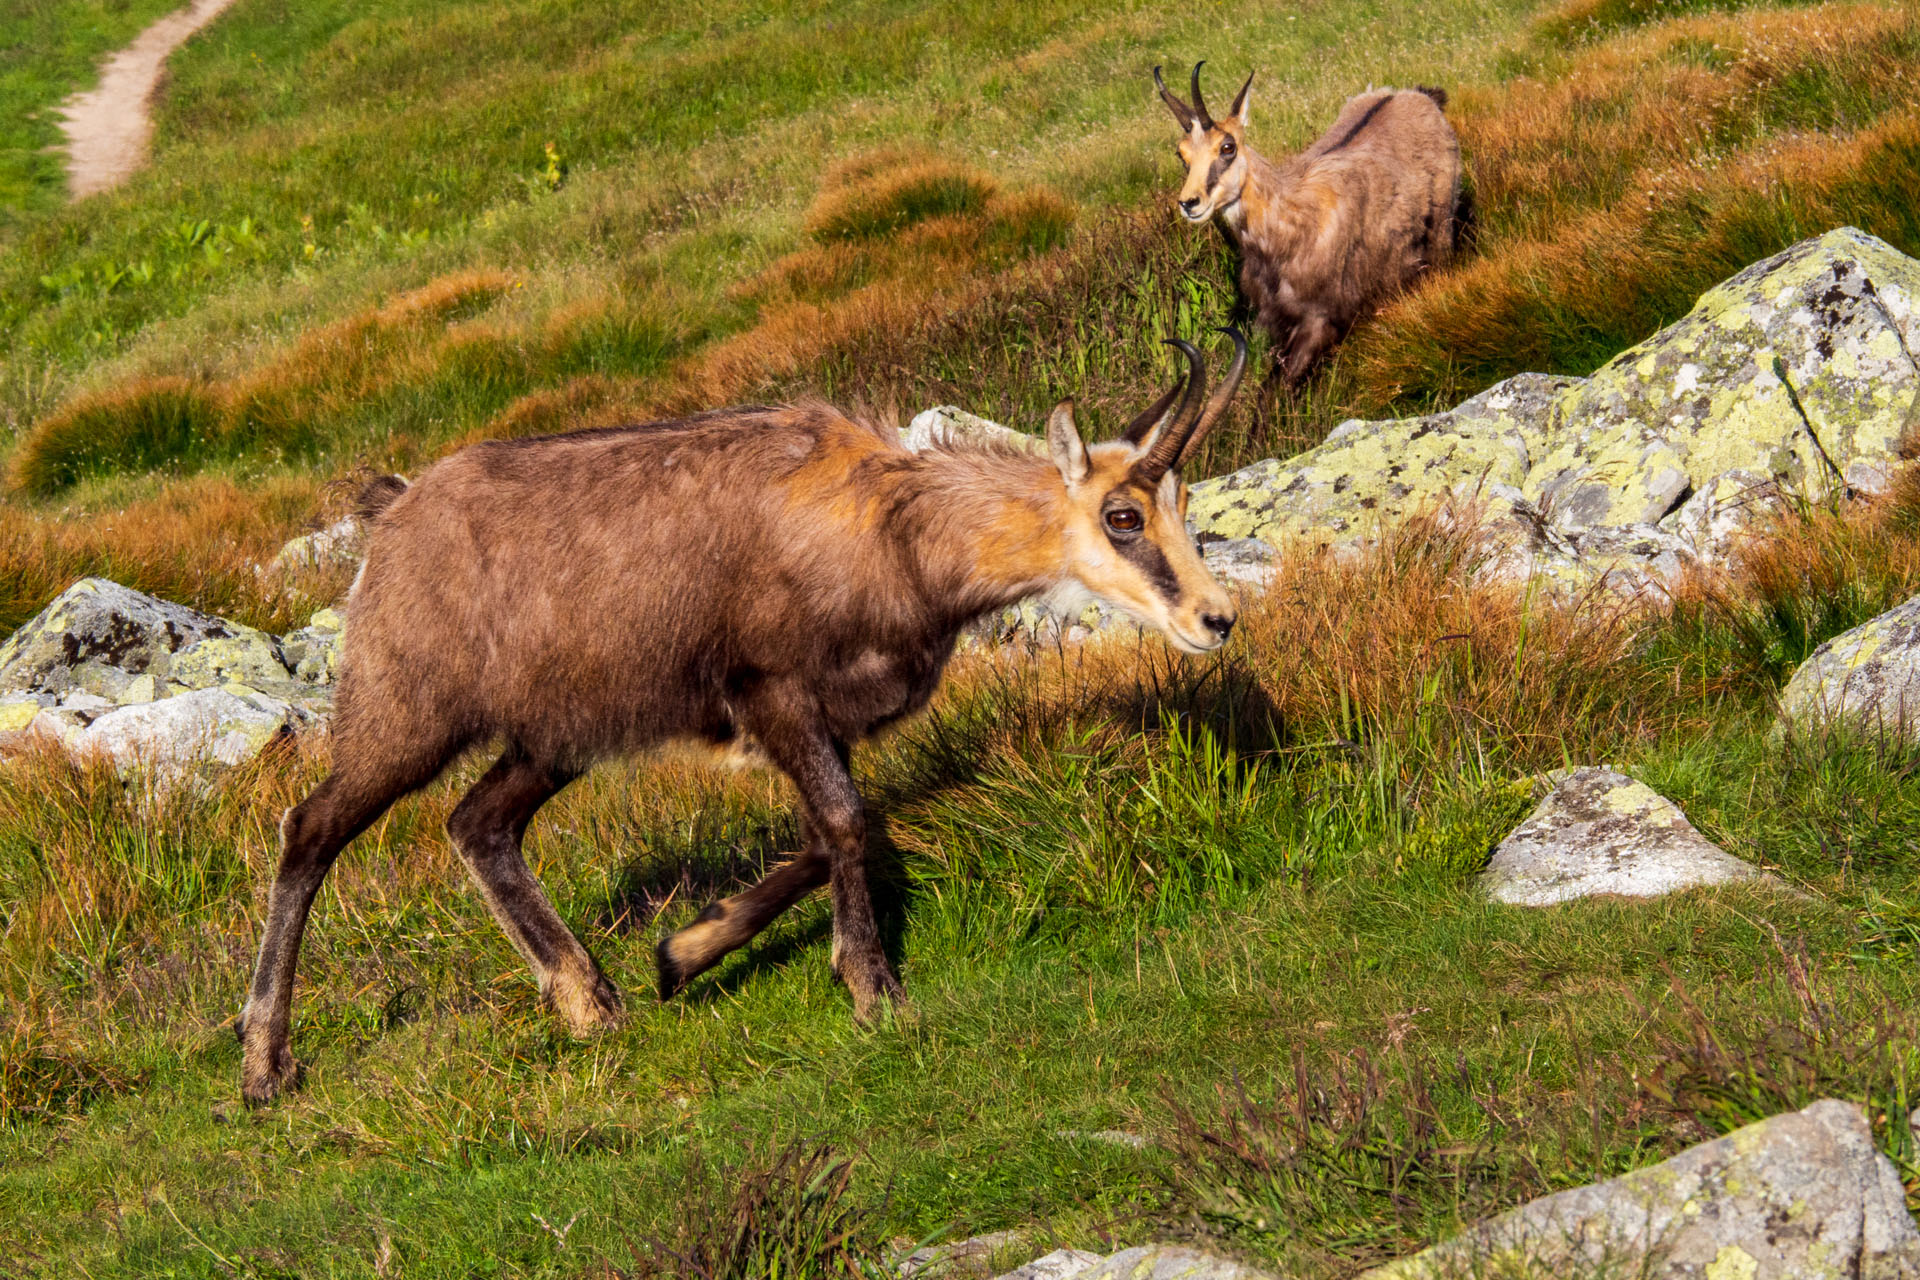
{"type": "Point", "coordinates": [1803, 1194]}
{"type": "Point", "coordinates": [339, 544]}
{"type": "Point", "coordinates": [1868, 677]}
{"type": "Point", "coordinates": [1170, 1262]}
{"type": "Point", "coordinates": [1601, 832]}
{"type": "Point", "coordinates": [1061, 1264]}
{"type": "Point", "coordinates": [937, 1259]}
{"type": "Point", "coordinates": [1106, 1137]}
{"type": "Point", "coordinates": [1246, 560]}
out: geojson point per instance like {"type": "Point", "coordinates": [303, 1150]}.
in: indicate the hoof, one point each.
{"type": "Point", "coordinates": [879, 998]}
{"type": "Point", "coordinates": [265, 1072]}
{"type": "Point", "coordinates": [672, 977]}
{"type": "Point", "coordinates": [588, 1002]}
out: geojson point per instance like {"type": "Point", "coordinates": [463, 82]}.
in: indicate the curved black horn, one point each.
{"type": "Point", "coordinates": [1154, 415]}
{"type": "Point", "coordinates": [1181, 111]}
{"type": "Point", "coordinates": [1218, 401]}
{"type": "Point", "coordinates": [1166, 446]}
{"type": "Point", "coordinates": [1200, 103]}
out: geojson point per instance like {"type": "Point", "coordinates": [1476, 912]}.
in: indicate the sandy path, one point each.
{"type": "Point", "coordinates": [108, 128]}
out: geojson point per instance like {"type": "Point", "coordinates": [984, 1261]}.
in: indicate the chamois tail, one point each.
{"type": "Point", "coordinates": [377, 495]}
{"type": "Point", "coordinates": [1439, 96]}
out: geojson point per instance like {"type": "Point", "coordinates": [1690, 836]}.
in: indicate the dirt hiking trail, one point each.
{"type": "Point", "coordinates": [108, 128]}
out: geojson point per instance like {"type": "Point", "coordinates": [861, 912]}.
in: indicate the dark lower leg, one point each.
{"type": "Point", "coordinates": [312, 834]}
{"type": "Point", "coordinates": [487, 827]}
{"type": "Point", "coordinates": [788, 723]}
{"type": "Point", "coordinates": [733, 922]}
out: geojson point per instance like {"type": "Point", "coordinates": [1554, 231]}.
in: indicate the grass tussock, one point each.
{"type": "Point", "coordinates": [791, 1213]}
{"type": "Point", "coordinates": [281, 410]}
{"type": "Point", "coordinates": [200, 541]}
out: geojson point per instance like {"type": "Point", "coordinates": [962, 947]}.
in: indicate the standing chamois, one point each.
{"type": "Point", "coordinates": [1329, 235]}
{"type": "Point", "coordinates": [783, 573]}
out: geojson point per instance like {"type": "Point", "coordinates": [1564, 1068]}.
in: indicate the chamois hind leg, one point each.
{"type": "Point", "coordinates": [487, 826]}
{"type": "Point", "coordinates": [788, 723]}
{"type": "Point", "coordinates": [733, 922]}
{"type": "Point", "coordinates": [312, 834]}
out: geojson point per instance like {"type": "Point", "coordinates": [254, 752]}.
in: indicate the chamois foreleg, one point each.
{"type": "Point", "coordinates": [312, 834]}
{"type": "Point", "coordinates": [487, 827]}
{"type": "Point", "coordinates": [788, 723]}
{"type": "Point", "coordinates": [1310, 340]}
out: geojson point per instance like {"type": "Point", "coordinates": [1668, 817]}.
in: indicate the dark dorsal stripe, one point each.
{"type": "Point", "coordinates": [1363, 122]}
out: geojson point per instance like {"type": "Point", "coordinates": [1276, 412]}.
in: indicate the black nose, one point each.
{"type": "Point", "coordinates": [1216, 623]}
{"type": "Point", "coordinates": [1190, 205]}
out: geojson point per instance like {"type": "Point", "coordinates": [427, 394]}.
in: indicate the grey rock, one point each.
{"type": "Point", "coordinates": [1601, 832]}
{"type": "Point", "coordinates": [930, 1261]}
{"type": "Point", "coordinates": [1868, 677]}
{"type": "Point", "coordinates": [1061, 1264]}
{"type": "Point", "coordinates": [1170, 1262]}
{"type": "Point", "coordinates": [212, 726]}
{"type": "Point", "coordinates": [944, 424]}
{"type": "Point", "coordinates": [1241, 560]}
{"type": "Point", "coordinates": [341, 543]}
{"type": "Point", "coordinates": [1802, 1195]}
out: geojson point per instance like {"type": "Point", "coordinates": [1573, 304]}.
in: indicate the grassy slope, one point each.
{"type": "Point", "coordinates": [1101, 925]}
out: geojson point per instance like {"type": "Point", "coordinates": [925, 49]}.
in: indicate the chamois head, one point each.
{"type": "Point", "coordinates": [1126, 535]}
{"type": "Point", "coordinates": [1214, 152]}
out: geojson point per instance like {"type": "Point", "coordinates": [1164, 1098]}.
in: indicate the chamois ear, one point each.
{"type": "Point", "coordinates": [1064, 443]}
{"type": "Point", "coordinates": [1238, 113]}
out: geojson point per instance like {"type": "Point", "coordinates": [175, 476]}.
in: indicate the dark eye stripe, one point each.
{"type": "Point", "coordinates": [1152, 564]}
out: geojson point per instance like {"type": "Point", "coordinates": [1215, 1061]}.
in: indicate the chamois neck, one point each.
{"type": "Point", "coordinates": [986, 528]}
{"type": "Point", "coordinates": [1269, 209]}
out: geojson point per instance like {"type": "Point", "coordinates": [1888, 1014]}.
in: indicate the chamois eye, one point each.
{"type": "Point", "coordinates": [1226, 149]}
{"type": "Point", "coordinates": [1125, 520]}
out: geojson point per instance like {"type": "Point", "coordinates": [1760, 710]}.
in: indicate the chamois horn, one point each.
{"type": "Point", "coordinates": [1200, 103]}
{"type": "Point", "coordinates": [1154, 415]}
{"type": "Point", "coordinates": [1218, 401]}
{"type": "Point", "coordinates": [1166, 446]}
{"type": "Point", "coordinates": [1181, 111]}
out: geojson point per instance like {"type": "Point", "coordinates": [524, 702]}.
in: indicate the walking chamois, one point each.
{"type": "Point", "coordinates": [785, 573]}
{"type": "Point", "coordinates": [1329, 235]}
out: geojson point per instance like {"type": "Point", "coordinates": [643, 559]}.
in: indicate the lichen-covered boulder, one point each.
{"type": "Point", "coordinates": [1170, 1262]}
{"type": "Point", "coordinates": [1648, 469]}
{"type": "Point", "coordinates": [1868, 678]}
{"type": "Point", "coordinates": [100, 636]}
{"type": "Point", "coordinates": [1800, 1196]}
{"type": "Point", "coordinates": [1369, 473]}
{"type": "Point", "coordinates": [1601, 832]}
{"type": "Point", "coordinates": [1799, 368]}
{"type": "Point", "coordinates": [247, 657]}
